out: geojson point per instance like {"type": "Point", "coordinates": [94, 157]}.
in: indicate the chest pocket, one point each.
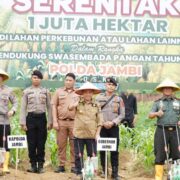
{"type": "Point", "coordinates": [4, 98]}
{"type": "Point", "coordinates": [176, 106]}
{"type": "Point", "coordinates": [62, 100]}
{"type": "Point", "coordinates": [93, 110]}
{"type": "Point", "coordinates": [31, 98]}
{"type": "Point", "coordinates": [115, 104]}
{"type": "Point", "coordinates": [42, 97]}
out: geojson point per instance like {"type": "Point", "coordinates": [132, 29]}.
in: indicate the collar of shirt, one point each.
{"type": "Point", "coordinates": [83, 101]}
{"type": "Point", "coordinates": [2, 86]}
{"type": "Point", "coordinates": [36, 87]}
{"type": "Point", "coordinates": [168, 97]}
{"type": "Point", "coordinates": [68, 90]}
{"type": "Point", "coordinates": [105, 94]}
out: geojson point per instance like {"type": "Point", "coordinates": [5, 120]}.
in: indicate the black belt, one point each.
{"type": "Point", "coordinates": [169, 128]}
{"type": "Point", "coordinates": [67, 119]}
{"type": "Point", "coordinates": [33, 114]}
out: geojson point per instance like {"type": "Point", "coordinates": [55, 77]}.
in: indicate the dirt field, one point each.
{"type": "Point", "coordinates": [126, 172]}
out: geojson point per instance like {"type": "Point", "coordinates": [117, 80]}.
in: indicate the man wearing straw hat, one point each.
{"type": "Point", "coordinates": [113, 111]}
{"type": "Point", "coordinates": [87, 124]}
{"type": "Point", "coordinates": [6, 96]}
{"type": "Point", "coordinates": [167, 111]}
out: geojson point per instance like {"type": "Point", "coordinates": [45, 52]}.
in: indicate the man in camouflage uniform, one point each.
{"type": "Point", "coordinates": [113, 112]}
{"type": "Point", "coordinates": [167, 112]}
{"type": "Point", "coordinates": [35, 101]}
{"type": "Point", "coordinates": [6, 96]}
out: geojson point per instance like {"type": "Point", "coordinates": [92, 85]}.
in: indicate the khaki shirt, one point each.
{"type": "Point", "coordinates": [37, 100]}
{"type": "Point", "coordinates": [6, 96]}
{"type": "Point", "coordinates": [88, 118]}
{"type": "Point", "coordinates": [171, 108]}
{"type": "Point", "coordinates": [61, 100]}
{"type": "Point", "coordinates": [114, 111]}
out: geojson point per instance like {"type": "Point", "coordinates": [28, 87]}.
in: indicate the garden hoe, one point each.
{"type": "Point", "coordinates": [166, 151]}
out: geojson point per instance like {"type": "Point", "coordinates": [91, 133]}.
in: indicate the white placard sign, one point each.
{"type": "Point", "coordinates": [17, 141]}
{"type": "Point", "coordinates": [106, 144]}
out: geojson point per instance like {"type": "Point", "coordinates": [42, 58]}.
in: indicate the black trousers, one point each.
{"type": "Point", "coordinates": [79, 145]}
{"type": "Point", "coordinates": [7, 133]}
{"type": "Point", "coordinates": [111, 133]}
{"type": "Point", "coordinates": [159, 145]}
{"type": "Point", "coordinates": [36, 136]}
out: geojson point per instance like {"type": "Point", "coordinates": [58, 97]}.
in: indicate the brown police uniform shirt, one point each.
{"type": "Point", "coordinates": [88, 118]}
{"type": "Point", "coordinates": [6, 96]}
{"type": "Point", "coordinates": [61, 100]}
{"type": "Point", "coordinates": [36, 100]}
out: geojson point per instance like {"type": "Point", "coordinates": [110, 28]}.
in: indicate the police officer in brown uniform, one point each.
{"type": "Point", "coordinates": [63, 120]}
{"type": "Point", "coordinates": [113, 111]}
{"type": "Point", "coordinates": [6, 96]}
{"type": "Point", "coordinates": [35, 101]}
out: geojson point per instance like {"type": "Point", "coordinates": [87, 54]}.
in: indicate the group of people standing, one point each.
{"type": "Point", "coordinates": [77, 117]}
{"type": "Point", "coordinates": [80, 119]}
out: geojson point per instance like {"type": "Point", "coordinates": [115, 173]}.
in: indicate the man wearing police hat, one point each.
{"type": "Point", "coordinates": [35, 102]}
{"type": "Point", "coordinates": [167, 111]}
{"type": "Point", "coordinates": [6, 112]}
{"type": "Point", "coordinates": [113, 111]}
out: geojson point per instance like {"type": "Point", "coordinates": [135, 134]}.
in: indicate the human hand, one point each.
{"type": "Point", "coordinates": [24, 127]}
{"type": "Point", "coordinates": [49, 126]}
{"type": "Point", "coordinates": [108, 124]}
{"type": "Point", "coordinates": [97, 136]}
{"type": "Point", "coordinates": [160, 113]}
{"type": "Point", "coordinates": [55, 126]}
{"type": "Point", "coordinates": [10, 113]}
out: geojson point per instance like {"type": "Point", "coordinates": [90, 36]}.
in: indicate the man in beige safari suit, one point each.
{"type": "Point", "coordinates": [63, 120]}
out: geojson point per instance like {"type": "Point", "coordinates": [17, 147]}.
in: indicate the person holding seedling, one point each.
{"type": "Point", "coordinates": [6, 96]}
{"type": "Point", "coordinates": [166, 138]}
{"type": "Point", "coordinates": [35, 102]}
{"type": "Point", "coordinates": [87, 124]}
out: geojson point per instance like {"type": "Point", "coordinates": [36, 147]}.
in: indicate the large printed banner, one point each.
{"type": "Point", "coordinates": [132, 40]}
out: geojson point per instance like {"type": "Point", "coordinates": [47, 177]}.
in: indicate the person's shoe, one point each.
{"type": "Point", "coordinates": [73, 170]}
{"type": "Point", "coordinates": [6, 164]}
{"type": "Point", "coordinates": [79, 175]}
{"type": "Point", "coordinates": [60, 169]}
{"type": "Point", "coordinates": [40, 168]}
{"type": "Point", "coordinates": [115, 175]}
{"type": "Point", "coordinates": [33, 168]}
{"type": "Point", "coordinates": [103, 172]}
{"type": "Point", "coordinates": [159, 172]}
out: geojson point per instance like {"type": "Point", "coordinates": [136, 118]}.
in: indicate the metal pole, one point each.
{"type": "Point", "coordinates": [17, 150]}
{"type": "Point", "coordinates": [106, 165]}
{"type": "Point", "coordinates": [166, 147]}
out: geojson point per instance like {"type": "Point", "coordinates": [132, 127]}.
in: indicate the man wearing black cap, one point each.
{"type": "Point", "coordinates": [35, 101]}
{"type": "Point", "coordinates": [113, 111]}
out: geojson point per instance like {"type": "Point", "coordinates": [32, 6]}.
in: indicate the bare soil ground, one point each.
{"type": "Point", "coordinates": [127, 172]}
